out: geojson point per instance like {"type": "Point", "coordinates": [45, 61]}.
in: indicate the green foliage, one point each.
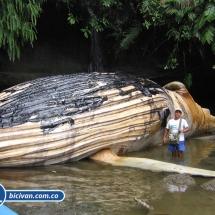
{"type": "Point", "coordinates": [18, 21]}
{"type": "Point", "coordinates": [86, 32]}
{"type": "Point", "coordinates": [98, 23]}
{"type": "Point", "coordinates": [152, 11]}
{"type": "Point", "coordinates": [190, 22]}
{"type": "Point", "coordinates": [172, 61]}
{"type": "Point", "coordinates": [118, 17]}
{"type": "Point", "coordinates": [108, 3]}
{"type": "Point", "coordinates": [195, 23]}
{"type": "Point", "coordinates": [204, 28]}
{"type": "Point", "coordinates": [188, 80]}
{"type": "Point", "coordinates": [71, 19]}
{"type": "Point", "coordinates": [130, 36]}
{"type": "Point", "coordinates": [208, 34]}
{"type": "Point", "coordinates": [187, 25]}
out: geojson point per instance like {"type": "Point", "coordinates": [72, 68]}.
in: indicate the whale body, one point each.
{"type": "Point", "coordinates": [69, 117]}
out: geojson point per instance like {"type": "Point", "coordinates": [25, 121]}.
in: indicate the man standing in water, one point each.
{"type": "Point", "coordinates": [173, 125]}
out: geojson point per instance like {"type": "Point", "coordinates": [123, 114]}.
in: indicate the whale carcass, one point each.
{"type": "Point", "coordinates": [69, 117]}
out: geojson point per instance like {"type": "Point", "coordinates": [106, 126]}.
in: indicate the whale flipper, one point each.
{"type": "Point", "coordinates": [108, 156]}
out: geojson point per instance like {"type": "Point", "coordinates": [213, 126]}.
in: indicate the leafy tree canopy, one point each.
{"type": "Point", "coordinates": [188, 25]}
{"type": "Point", "coordinates": [18, 19]}
{"type": "Point", "coordinates": [184, 26]}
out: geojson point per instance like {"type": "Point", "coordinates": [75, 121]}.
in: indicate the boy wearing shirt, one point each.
{"type": "Point", "coordinates": [173, 127]}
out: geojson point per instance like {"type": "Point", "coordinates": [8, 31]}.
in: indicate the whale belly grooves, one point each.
{"type": "Point", "coordinates": [61, 118]}
{"type": "Point", "coordinates": [66, 118]}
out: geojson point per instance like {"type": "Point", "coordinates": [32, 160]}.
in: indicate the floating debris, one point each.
{"type": "Point", "coordinates": [144, 204]}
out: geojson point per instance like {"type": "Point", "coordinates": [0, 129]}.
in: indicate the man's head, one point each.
{"type": "Point", "coordinates": [178, 113]}
{"type": "Point", "coordinates": [178, 110]}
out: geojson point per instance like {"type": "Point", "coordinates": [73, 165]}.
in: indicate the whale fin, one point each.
{"type": "Point", "coordinates": [108, 156]}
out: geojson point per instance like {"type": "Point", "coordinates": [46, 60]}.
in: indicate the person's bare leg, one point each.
{"type": "Point", "coordinates": [180, 154]}
{"type": "Point", "coordinates": [174, 153]}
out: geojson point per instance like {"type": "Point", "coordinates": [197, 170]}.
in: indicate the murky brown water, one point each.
{"type": "Point", "coordinates": [92, 188]}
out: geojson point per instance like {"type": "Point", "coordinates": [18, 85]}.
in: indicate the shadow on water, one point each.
{"type": "Point", "coordinates": [93, 188]}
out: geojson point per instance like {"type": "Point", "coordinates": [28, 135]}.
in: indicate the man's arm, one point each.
{"type": "Point", "coordinates": [165, 134]}
{"type": "Point", "coordinates": [186, 129]}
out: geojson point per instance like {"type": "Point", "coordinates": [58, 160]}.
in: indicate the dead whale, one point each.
{"type": "Point", "coordinates": [69, 117]}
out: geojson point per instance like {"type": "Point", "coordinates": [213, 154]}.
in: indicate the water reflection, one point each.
{"type": "Point", "coordinates": [93, 188]}
{"type": "Point", "coordinates": [174, 188]}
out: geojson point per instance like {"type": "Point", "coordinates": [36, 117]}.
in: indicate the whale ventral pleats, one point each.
{"type": "Point", "coordinates": [53, 101]}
